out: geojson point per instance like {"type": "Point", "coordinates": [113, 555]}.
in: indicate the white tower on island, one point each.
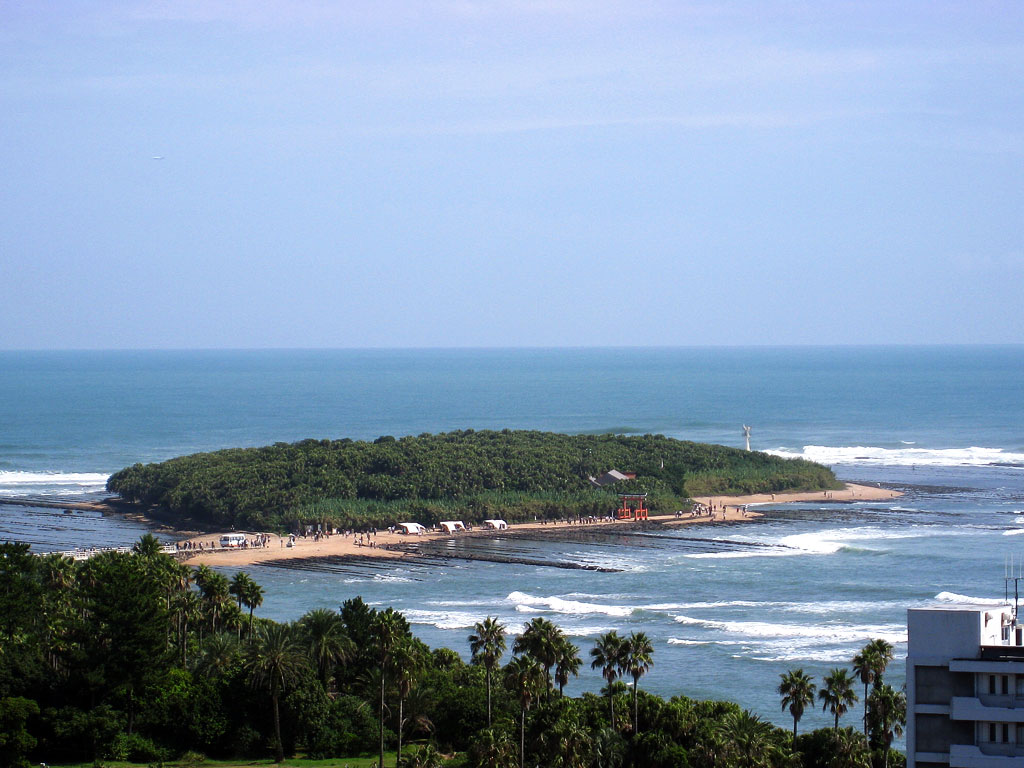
{"type": "Point", "coordinates": [746, 434]}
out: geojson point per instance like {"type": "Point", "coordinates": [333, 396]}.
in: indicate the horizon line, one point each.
{"type": "Point", "coordinates": [537, 347]}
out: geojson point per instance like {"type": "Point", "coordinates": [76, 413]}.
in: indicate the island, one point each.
{"type": "Point", "coordinates": [466, 475]}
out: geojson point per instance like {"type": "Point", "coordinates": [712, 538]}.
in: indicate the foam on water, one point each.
{"type": "Point", "coordinates": [817, 634]}
{"type": "Point", "coordinates": [442, 619]}
{"type": "Point", "coordinates": [953, 597]}
{"type": "Point", "coordinates": [828, 656]}
{"type": "Point", "coordinates": [824, 542]}
{"type": "Point", "coordinates": [525, 603]}
{"type": "Point", "coordinates": [17, 483]}
{"type": "Point", "coordinates": [934, 457]}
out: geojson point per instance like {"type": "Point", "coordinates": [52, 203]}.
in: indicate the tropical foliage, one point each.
{"type": "Point", "coordinates": [133, 656]}
{"type": "Point", "coordinates": [469, 475]}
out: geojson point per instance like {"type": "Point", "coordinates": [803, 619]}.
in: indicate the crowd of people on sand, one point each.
{"type": "Point", "coordinates": [367, 537]}
{"type": "Point", "coordinates": [700, 509]}
{"type": "Point", "coordinates": [258, 541]}
{"type": "Point", "coordinates": [583, 520]}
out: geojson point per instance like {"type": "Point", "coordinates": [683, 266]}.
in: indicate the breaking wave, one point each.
{"type": "Point", "coordinates": [529, 603]}
{"type": "Point", "coordinates": [442, 619]}
{"type": "Point", "coordinates": [817, 634]}
{"type": "Point", "coordinates": [933, 457]}
{"type": "Point", "coordinates": [825, 542]}
{"type": "Point", "coordinates": [16, 483]}
{"type": "Point", "coordinates": [953, 597]}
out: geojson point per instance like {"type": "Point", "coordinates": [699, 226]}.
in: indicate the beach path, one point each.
{"type": "Point", "coordinates": [726, 509]}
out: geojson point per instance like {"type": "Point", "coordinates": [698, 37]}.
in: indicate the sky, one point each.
{"type": "Point", "coordinates": [512, 173]}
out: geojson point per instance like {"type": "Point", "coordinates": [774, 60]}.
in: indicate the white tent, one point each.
{"type": "Point", "coordinates": [411, 528]}
{"type": "Point", "coordinates": [451, 526]}
{"type": "Point", "coordinates": [496, 525]}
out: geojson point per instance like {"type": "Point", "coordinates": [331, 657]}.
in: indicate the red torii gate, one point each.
{"type": "Point", "coordinates": [632, 507]}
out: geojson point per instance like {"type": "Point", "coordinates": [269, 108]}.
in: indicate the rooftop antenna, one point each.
{"type": "Point", "coordinates": [746, 434]}
{"type": "Point", "coordinates": [1013, 571]}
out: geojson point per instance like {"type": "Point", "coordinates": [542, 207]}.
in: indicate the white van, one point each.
{"type": "Point", "coordinates": [232, 540]}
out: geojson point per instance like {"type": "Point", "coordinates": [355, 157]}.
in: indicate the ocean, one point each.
{"type": "Point", "coordinates": [729, 606]}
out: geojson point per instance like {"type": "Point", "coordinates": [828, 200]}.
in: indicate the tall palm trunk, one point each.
{"type": "Point", "coordinates": [381, 763]}
{"type": "Point", "coordinates": [278, 746]}
{"type": "Point", "coordinates": [488, 697]}
{"type": "Point", "coordinates": [184, 639]}
{"type": "Point", "coordinates": [611, 701]}
{"type": "Point", "coordinates": [251, 607]}
{"type": "Point", "coordinates": [522, 738]}
{"type": "Point", "coordinates": [865, 710]}
{"type": "Point", "coordinates": [636, 706]}
{"type": "Point", "coordinates": [398, 756]}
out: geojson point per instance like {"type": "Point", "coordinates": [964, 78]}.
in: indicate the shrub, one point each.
{"type": "Point", "coordinates": [136, 748]}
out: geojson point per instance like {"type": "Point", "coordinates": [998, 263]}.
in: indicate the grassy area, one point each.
{"type": "Point", "coordinates": [296, 762]}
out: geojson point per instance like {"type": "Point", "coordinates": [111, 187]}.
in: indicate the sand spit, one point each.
{"type": "Point", "coordinates": [394, 546]}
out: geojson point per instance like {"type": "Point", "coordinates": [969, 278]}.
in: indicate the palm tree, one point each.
{"type": "Point", "coordinates": [837, 695]}
{"type": "Point", "coordinates": [58, 576]}
{"type": "Point", "coordinates": [186, 603]}
{"type": "Point", "coordinates": [523, 679]}
{"type": "Point", "coordinates": [608, 749]}
{"type": "Point", "coordinates": [148, 546]}
{"type": "Point", "coordinates": [797, 692]}
{"type": "Point", "coordinates": [426, 757]}
{"type": "Point", "coordinates": [386, 632]}
{"type": "Point", "coordinates": [848, 749]}
{"type": "Point", "coordinates": [239, 583]}
{"type": "Point", "coordinates": [407, 664]}
{"type": "Point", "coordinates": [215, 590]}
{"type": "Point", "coordinates": [218, 654]}
{"type": "Point", "coordinates": [324, 636]}
{"type": "Point", "coordinates": [567, 663]}
{"type": "Point", "coordinates": [636, 661]}
{"type": "Point", "coordinates": [203, 574]}
{"type": "Point", "coordinates": [748, 737]}
{"type": "Point", "coordinates": [606, 655]}
{"type": "Point", "coordinates": [864, 666]}
{"type": "Point", "coordinates": [882, 653]}
{"type": "Point", "coordinates": [239, 588]}
{"type": "Point", "coordinates": [569, 745]}
{"type": "Point", "coordinates": [272, 661]}
{"type": "Point", "coordinates": [541, 639]}
{"type": "Point", "coordinates": [253, 599]}
{"type": "Point", "coordinates": [487, 644]}
{"type": "Point", "coordinates": [492, 749]}
{"type": "Point", "coordinates": [888, 716]}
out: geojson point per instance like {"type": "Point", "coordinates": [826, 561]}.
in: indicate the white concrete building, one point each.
{"type": "Point", "coordinates": [965, 687]}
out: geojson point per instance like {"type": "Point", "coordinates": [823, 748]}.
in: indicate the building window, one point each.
{"type": "Point", "coordinates": [992, 683]}
{"type": "Point", "coordinates": [1006, 684]}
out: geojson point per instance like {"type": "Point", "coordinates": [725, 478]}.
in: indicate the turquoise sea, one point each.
{"type": "Point", "coordinates": [729, 607]}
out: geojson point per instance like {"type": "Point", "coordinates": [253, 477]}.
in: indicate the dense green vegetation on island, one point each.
{"type": "Point", "coordinates": [470, 475]}
{"type": "Point", "coordinates": [135, 656]}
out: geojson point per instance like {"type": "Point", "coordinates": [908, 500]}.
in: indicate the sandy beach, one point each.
{"type": "Point", "coordinates": [385, 544]}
